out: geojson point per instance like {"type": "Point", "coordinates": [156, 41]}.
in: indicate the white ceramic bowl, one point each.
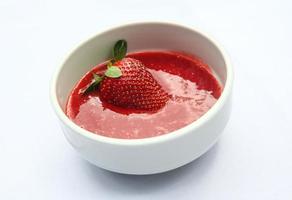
{"type": "Point", "coordinates": [149, 155]}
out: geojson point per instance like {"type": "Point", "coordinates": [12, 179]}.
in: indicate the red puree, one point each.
{"type": "Point", "coordinates": [193, 88]}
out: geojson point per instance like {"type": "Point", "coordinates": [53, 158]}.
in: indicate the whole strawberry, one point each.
{"type": "Point", "coordinates": [136, 88]}
{"type": "Point", "coordinates": [128, 84]}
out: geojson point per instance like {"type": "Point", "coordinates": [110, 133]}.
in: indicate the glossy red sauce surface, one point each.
{"type": "Point", "coordinates": [189, 81]}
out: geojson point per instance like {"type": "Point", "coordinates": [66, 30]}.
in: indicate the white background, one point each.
{"type": "Point", "coordinates": [253, 158]}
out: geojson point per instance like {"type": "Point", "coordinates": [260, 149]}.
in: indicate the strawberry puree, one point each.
{"type": "Point", "coordinates": [188, 80]}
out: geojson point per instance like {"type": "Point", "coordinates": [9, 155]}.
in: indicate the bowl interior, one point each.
{"type": "Point", "coordinates": [142, 36]}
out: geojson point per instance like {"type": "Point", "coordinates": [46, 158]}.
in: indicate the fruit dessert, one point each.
{"type": "Point", "coordinates": [142, 94]}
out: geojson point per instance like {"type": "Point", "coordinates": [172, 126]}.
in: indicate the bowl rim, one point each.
{"type": "Point", "coordinates": [188, 129]}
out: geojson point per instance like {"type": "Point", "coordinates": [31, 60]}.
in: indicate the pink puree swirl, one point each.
{"type": "Point", "coordinates": [193, 88]}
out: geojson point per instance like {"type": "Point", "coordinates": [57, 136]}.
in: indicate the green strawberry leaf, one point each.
{"type": "Point", "coordinates": [94, 85]}
{"type": "Point", "coordinates": [113, 72]}
{"type": "Point", "coordinates": [97, 78]}
{"type": "Point", "coordinates": [120, 50]}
